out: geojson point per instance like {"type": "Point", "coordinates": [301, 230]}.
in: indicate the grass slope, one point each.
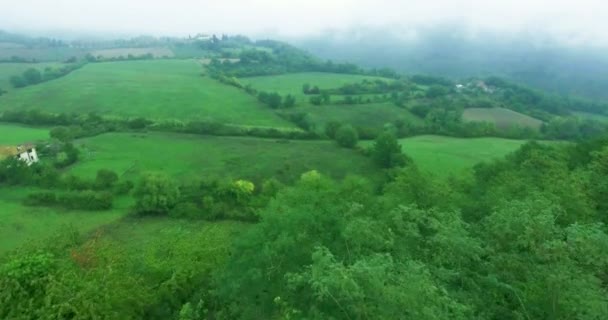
{"type": "Point", "coordinates": [591, 116]}
{"type": "Point", "coordinates": [367, 115]}
{"type": "Point", "coordinates": [446, 155]}
{"type": "Point", "coordinates": [157, 89]}
{"type": "Point", "coordinates": [20, 224]}
{"type": "Point", "coordinates": [7, 70]}
{"type": "Point", "coordinates": [193, 156]}
{"type": "Point", "coordinates": [11, 134]}
{"type": "Point", "coordinates": [501, 117]}
{"type": "Point", "coordinates": [292, 83]}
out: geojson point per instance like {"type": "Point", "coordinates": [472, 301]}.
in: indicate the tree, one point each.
{"type": "Point", "coordinates": [289, 101]}
{"type": "Point", "coordinates": [156, 193]}
{"type": "Point", "coordinates": [306, 88]}
{"type": "Point", "coordinates": [18, 81]}
{"type": "Point", "coordinates": [105, 179]}
{"type": "Point", "coordinates": [347, 136]}
{"type": "Point", "coordinates": [32, 76]}
{"type": "Point", "coordinates": [387, 153]}
{"type": "Point", "coordinates": [331, 128]}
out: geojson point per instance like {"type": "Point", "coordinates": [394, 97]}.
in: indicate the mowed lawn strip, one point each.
{"type": "Point", "coordinates": [192, 156]}
{"type": "Point", "coordinates": [154, 89]}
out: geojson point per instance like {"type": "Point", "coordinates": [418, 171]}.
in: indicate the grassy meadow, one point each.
{"type": "Point", "coordinates": [373, 115]}
{"type": "Point", "coordinates": [501, 117]}
{"type": "Point", "coordinates": [7, 70]}
{"type": "Point", "coordinates": [11, 134]}
{"type": "Point", "coordinates": [39, 54]}
{"type": "Point", "coordinates": [447, 155]}
{"type": "Point", "coordinates": [191, 156]}
{"type": "Point", "coordinates": [591, 116]}
{"type": "Point", "coordinates": [20, 224]}
{"type": "Point", "coordinates": [136, 52]}
{"type": "Point", "coordinates": [156, 89]}
{"type": "Point", "coordinates": [292, 83]}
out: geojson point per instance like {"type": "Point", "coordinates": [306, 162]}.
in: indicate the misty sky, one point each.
{"type": "Point", "coordinates": [579, 20]}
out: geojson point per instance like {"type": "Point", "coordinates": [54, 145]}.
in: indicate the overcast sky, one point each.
{"type": "Point", "coordinates": [573, 20]}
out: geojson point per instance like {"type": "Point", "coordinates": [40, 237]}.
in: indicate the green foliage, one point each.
{"type": "Point", "coordinates": [346, 136]}
{"type": "Point", "coordinates": [387, 153]}
{"type": "Point", "coordinates": [105, 179]}
{"type": "Point", "coordinates": [32, 76]}
{"type": "Point", "coordinates": [155, 194]}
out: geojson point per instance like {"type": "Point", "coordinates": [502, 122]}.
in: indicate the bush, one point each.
{"type": "Point", "coordinates": [387, 153]}
{"type": "Point", "coordinates": [86, 200]}
{"type": "Point", "coordinates": [105, 179]}
{"type": "Point", "coordinates": [186, 210]}
{"type": "Point", "coordinates": [46, 198]}
{"type": "Point", "coordinates": [347, 136]}
{"type": "Point", "coordinates": [156, 193]}
{"type": "Point", "coordinates": [18, 82]}
{"type": "Point", "coordinates": [81, 200]}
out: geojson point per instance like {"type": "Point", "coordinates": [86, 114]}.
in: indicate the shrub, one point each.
{"type": "Point", "coordinates": [347, 136]}
{"type": "Point", "coordinates": [156, 193]}
{"type": "Point", "coordinates": [86, 200]}
{"type": "Point", "coordinates": [105, 179]}
{"type": "Point", "coordinates": [46, 198]}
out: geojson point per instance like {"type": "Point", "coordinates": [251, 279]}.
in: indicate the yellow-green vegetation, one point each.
{"type": "Point", "coordinates": [191, 156]}
{"type": "Point", "coordinates": [501, 117]}
{"type": "Point", "coordinates": [154, 89]}
{"type": "Point", "coordinates": [11, 134]}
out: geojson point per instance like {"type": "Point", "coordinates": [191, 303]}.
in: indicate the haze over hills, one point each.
{"type": "Point", "coordinates": [454, 50]}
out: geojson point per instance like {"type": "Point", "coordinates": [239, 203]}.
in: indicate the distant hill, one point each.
{"type": "Point", "coordinates": [450, 51]}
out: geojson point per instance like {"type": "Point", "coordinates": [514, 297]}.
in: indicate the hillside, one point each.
{"type": "Point", "coordinates": [501, 117]}
{"type": "Point", "coordinates": [160, 89]}
{"type": "Point", "coordinates": [216, 177]}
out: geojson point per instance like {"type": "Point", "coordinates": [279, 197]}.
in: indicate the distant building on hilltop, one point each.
{"type": "Point", "coordinates": [26, 153]}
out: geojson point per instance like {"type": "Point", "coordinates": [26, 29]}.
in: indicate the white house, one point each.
{"type": "Point", "coordinates": [25, 153]}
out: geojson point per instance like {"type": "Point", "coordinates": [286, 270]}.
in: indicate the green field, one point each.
{"type": "Point", "coordinates": [157, 89]}
{"type": "Point", "coordinates": [446, 155]}
{"type": "Point", "coordinates": [39, 54]}
{"type": "Point", "coordinates": [191, 156]}
{"type": "Point", "coordinates": [501, 117]}
{"type": "Point", "coordinates": [7, 70]}
{"type": "Point", "coordinates": [11, 134]}
{"type": "Point", "coordinates": [373, 115]}
{"type": "Point", "coordinates": [152, 240]}
{"type": "Point", "coordinates": [591, 116]}
{"type": "Point", "coordinates": [292, 83]}
{"type": "Point", "coordinates": [20, 224]}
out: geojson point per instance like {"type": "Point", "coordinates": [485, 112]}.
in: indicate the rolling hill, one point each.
{"type": "Point", "coordinates": [155, 89]}
{"type": "Point", "coordinates": [501, 117]}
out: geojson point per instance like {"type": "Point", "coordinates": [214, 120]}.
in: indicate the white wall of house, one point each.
{"type": "Point", "coordinates": [29, 156]}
